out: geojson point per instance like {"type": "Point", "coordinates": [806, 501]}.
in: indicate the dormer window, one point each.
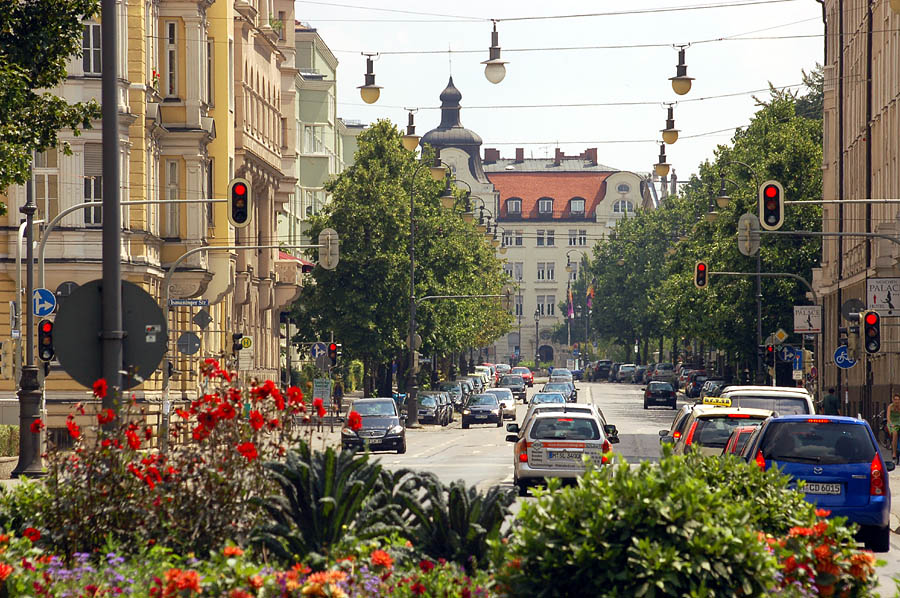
{"type": "Point", "coordinates": [576, 206]}
{"type": "Point", "coordinates": [514, 205]}
{"type": "Point", "coordinates": [545, 205]}
{"type": "Point", "coordinates": [623, 188]}
{"type": "Point", "coordinates": [623, 207]}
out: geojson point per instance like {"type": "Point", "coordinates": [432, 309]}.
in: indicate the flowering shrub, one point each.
{"type": "Point", "coordinates": [115, 484]}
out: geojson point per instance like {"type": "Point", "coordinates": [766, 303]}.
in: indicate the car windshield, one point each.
{"type": "Point", "coordinates": [664, 366]}
{"type": "Point", "coordinates": [427, 400]}
{"type": "Point", "coordinates": [741, 441]}
{"type": "Point", "coordinates": [825, 442]}
{"type": "Point", "coordinates": [566, 428]}
{"type": "Point", "coordinates": [714, 431]}
{"type": "Point", "coordinates": [485, 399]}
{"type": "Point", "coordinates": [780, 405]}
{"type": "Point", "coordinates": [548, 397]}
{"type": "Point", "coordinates": [626, 368]}
{"type": "Point", "coordinates": [449, 387]}
{"type": "Point", "coordinates": [513, 380]}
{"type": "Point", "coordinates": [501, 393]}
{"type": "Point", "coordinates": [520, 371]}
{"type": "Point", "coordinates": [556, 386]}
{"type": "Point", "coordinates": [660, 386]}
{"type": "Point", "coordinates": [375, 408]}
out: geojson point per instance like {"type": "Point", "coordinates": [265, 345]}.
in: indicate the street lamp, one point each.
{"type": "Point", "coordinates": [494, 67]}
{"type": "Point", "coordinates": [369, 92]}
{"type": "Point", "coordinates": [681, 83]}
{"type": "Point", "coordinates": [662, 167]}
{"type": "Point", "coordinates": [670, 133]}
{"type": "Point", "coordinates": [410, 140]}
{"type": "Point", "coordinates": [537, 321]}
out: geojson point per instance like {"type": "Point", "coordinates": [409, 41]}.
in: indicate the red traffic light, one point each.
{"type": "Point", "coordinates": [240, 189]}
{"type": "Point", "coordinates": [771, 191]}
{"type": "Point", "coordinates": [871, 318]}
{"type": "Point", "coordinates": [701, 267]}
{"type": "Point", "coordinates": [770, 348]}
{"type": "Point", "coordinates": [332, 347]}
{"type": "Point", "coordinates": [46, 327]}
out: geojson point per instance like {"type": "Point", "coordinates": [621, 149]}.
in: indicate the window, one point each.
{"type": "Point", "coordinates": [518, 238]}
{"type": "Point", "coordinates": [582, 237]}
{"type": "Point", "coordinates": [551, 271]}
{"type": "Point", "coordinates": [623, 188]}
{"type": "Point", "coordinates": [209, 72]}
{"type": "Point", "coordinates": [90, 46]}
{"type": "Point", "coordinates": [171, 81]}
{"type": "Point", "coordinates": [545, 205]}
{"type": "Point", "coordinates": [573, 237]}
{"type": "Point", "coordinates": [518, 270]}
{"type": "Point", "coordinates": [542, 271]}
{"type": "Point", "coordinates": [576, 206]}
{"type": "Point", "coordinates": [93, 183]}
{"type": "Point", "coordinates": [46, 184]}
{"type": "Point", "coordinates": [210, 212]}
{"type": "Point", "coordinates": [622, 207]}
{"type": "Point", "coordinates": [519, 306]}
{"type": "Point", "coordinates": [540, 238]}
{"type": "Point", "coordinates": [549, 238]}
{"type": "Point", "coordinates": [514, 206]}
{"type": "Point", "coordinates": [171, 228]}
{"type": "Point", "coordinates": [551, 305]}
{"type": "Point", "coordinates": [540, 304]}
{"type": "Point", "coordinates": [508, 269]}
{"type": "Point", "coordinates": [507, 238]}
{"type": "Point", "coordinates": [573, 275]}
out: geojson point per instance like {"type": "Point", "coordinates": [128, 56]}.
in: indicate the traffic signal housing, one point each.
{"type": "Point", "coordinates": [771, 205]}
{"type": "Point", "coordinates": [239, 202]}
{"type": "Point", "coordinates": [45, 340]}
{"type": "Point", "coordinates": [770, 355]}
{"type": "Point", "coordinates": [701, 275]}
{"type": "Point", "coordinates": [236, 342]}
{"type": "Point", "coordinates": [333, 353]}
{"type": "Point", "coordinates": [872, 332]}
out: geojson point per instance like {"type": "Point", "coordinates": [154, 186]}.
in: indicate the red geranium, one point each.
{"type": "Point", "coordinates": [36, 426]}
{"type": "Point", "coordinates": [32, 534]}
{"type": "Point", "coordinates": [257, 421]}
{"type": "Point", "coordinates": [295, 395]}
{"type": "Point", "coordinates": [133, 441]}
{"type": "Point", "coordinates": [248, 450]}
{"type": "Point", "coordinates": [225, 411]}
{"type": "Point", "coordinates": [74, 430]}
{"type": "Point", "coordinates": [100, 388]}
{"type": "Point", "coordinates": [5, 570]}
{"type": "Point", "coordinates": [354, 421]}
{"type": "Point", "coordinates": [426, 565]}
{"type": "Point", "coordinates": [107, 415]}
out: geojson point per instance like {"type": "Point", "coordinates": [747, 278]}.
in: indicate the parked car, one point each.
{"type": "Point", "coordinates": [456, 392]}
{"type": "Point", "coordinates": [657, 393]}
{"type": "Point", "coordinates": [493, 372]}
{"type": "Point", "coordinates": [381, 427]}
{"type": "Point", "coordinates": [665, 372]}
{"type": "Point", "coordinates": [468, 388]}
{"type": "Point", "coordinates": [738, 439]}
{"type": "Point", "coordinates": [507, 401]}
{"type": "Point", "coordinates": [648, 373]}
{"type": "Point", "coordinates": [784, 400]}
{"type": "Point", "coordinates": [625, 371]}
{"type": "Point", "coordinates": [503, 368]}
{"type": "Point", "coordinates": [694, 383]}
{"type": "Point", "coordinates": [526, 374]}
{"type": "Point", "coordinates": [552, 446]}
{"type": "Point", "coordinates": [515, 383]}
{"type": "Point", "coordinates": [433, 409]}
{"type": "Point", "coordinates": [637, 376]}
{"type": "Point", "coordinates": [482, 409]}
{"type": "Point", "coordinates": [613, 372]}
{"type": "Point", "coordinates": [487, 375]}
{"type": "Point", "coordinates": [477, 383]}
{"type": "Point", "coordinates": [601, 369]}
{"type": "Point", "coordinates": [839, 462]}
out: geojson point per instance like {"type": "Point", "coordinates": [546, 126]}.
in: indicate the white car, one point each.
{"type": "Point", "coordinates": [507, 401]}
{"type": "Point", "coordinates": [557, 408]}
{"type": "Point", "coordinates": [486, 373]}
{"type": "Point", "coordinates": [625, 372]}
{"type": "Point", "coordinates": [783, 400]}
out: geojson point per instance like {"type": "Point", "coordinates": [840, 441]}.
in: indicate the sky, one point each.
{"type": "Point", "coordinates": [550, 81]}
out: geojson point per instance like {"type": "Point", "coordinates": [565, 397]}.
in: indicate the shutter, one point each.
{"type": "Point", "coordinates": [93, 159]}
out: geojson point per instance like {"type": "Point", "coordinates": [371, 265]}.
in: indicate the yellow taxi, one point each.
{"type": "Point", "coordinates": [710, 424]}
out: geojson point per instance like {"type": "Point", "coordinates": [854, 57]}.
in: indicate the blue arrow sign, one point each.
{"type": "Point", "coordinates": [842, 358]}
{"type": "Point", "coordinates": [43, 302]}
{"type": "Point", "coordinates": [318, 349]}
{"type": "Point", "coordinates": [786, 353]}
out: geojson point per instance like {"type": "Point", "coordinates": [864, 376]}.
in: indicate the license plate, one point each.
{"type": "Point", "coordinates": [480, 417]}
{"type": "Point", "coordinates": [822, 488]}
{"type": "Point", "coordinates": [374, 440]}
{"type": "Point", "coordinates": [564, 455]}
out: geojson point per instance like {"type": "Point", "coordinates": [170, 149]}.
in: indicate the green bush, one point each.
{"type": "Point", "coordinates": [687, 527]}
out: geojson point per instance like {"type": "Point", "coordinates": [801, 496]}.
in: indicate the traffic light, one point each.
{"type": "Point", "coordinates": [770, 355]}
{"type": "Point", "coordinates": [771, 205]}
{"type": "Point", "coordinates": [239, 202]}
{"type": "Point", "coordinates": [236, 342]}
{"type": "Point", "coordinates": [332, 353]}
{"type": "Point", "coordinates": [853, 342]}
{"type": "Point", "coordinates": [701, 270]}
{"type": "Point", "coordinates": [872, 332]}
{"type": "Point", "coordinates": [45, 340]}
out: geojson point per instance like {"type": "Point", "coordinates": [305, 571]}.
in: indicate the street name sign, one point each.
{"type": "Point", "coordinates": [188, 302]}
{"type": "Point", "coordinates": [807, 319]}
{"type": "Point", "coordinates": [883, 295]}
{"type": "Point", "coordinates": [43, 302]}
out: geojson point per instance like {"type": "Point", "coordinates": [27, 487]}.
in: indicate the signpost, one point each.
{"type": "Point", "coordinates": [883, 295]}
{"type": "Point", "coordinates": [43, 302]}
{"type": "Point", "coordinates": [797, 372]}
{"type": "Point", "coordinates": [807, 319]}
{"type": "Point", "coordinates": [318, 348]}
{"type": "Point", "coordinates": [842, 358]}
{"type": "Point", "coordinates": [245, 355]}
{"type": "Point", "coordinates": [787, 353]}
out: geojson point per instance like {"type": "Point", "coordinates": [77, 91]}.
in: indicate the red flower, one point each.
{"type": "Point", "coordinates": [417, 589]}
{"type": "Point", "coordinates": [354, 421]}
{"type": "Point", "coordinates": [248, 450]}
{"type": "Point", "coordinates": [5, 570]}
{"type": "Point", "coordinates": [226, 411]}
{"type": "Point", "coordinates": [232, 551]}
{"type": "Point", "coordinates": [318, 403]}
{"type": "Point", "coordinates": [148, 433]}
{"type": "Point", "coordinates": [184, 414]}
{"type": "Point", "coordinates": [207, 419]}
{"type": "Point", "coordinates": [257, 421]}
{"type": "Point", "coordinates": [133, 440]}
{"type": "Point", "coordinates": [107, 415]}
{"type": "Point", "coordinates": [36, 426]}
{"type": "Point", "coordinates": [380, 558]}
{"type": "Point", "coordinates": [426, 566]}
{"type": "Point", "coordinates": [200, 433]}
{"type": "Point", "coordinates": [74, 430]}
{"type": "Point", "coordinates": [822, 512]}
{"type": "Point", "coordinates": [100, 388]}
{"type": "Point", "coordinates": [295, 395]}
{"type": "Point", "coordinates": [274, 424]}
{"type": "Point", "coordinates": [32, 534]}
{"type": "Point", "coordinates": [279, 400]}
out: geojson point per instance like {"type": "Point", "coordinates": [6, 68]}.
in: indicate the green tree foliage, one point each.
{"type": "Point", "coordinates": [365, 300]}
{"type": "Point", "coordinates": [37, 37]}
{"type": "Point", "coordinates": [643, 276]}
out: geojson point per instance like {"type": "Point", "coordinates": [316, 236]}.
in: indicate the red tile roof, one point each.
{"type": "Point", "coordinates": [561, 186]}
{"type": "Point", "coordinates": [287, 256]}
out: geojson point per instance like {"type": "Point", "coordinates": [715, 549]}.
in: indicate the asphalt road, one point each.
{"type": "Point", "coordinates": [480, 456]}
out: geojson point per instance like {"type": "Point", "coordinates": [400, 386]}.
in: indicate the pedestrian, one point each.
{"type": "Point", "coordinates": [338, 398]}
{"type": "Point", "coordinates": [831, 403]}
{"type": "Point", "coordinates": [893, 421]}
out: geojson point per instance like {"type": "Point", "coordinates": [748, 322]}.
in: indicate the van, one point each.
{"type": "Point", "coordinates": [783, 400]}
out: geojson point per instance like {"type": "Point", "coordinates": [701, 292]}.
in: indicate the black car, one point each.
{"type": "Point", "coordinates": [381, 428]}
{"type": "Point", "coordinates": [457, 393]}
{"type": "Point", "coordinates": [433, 409]}
{"type": "Point", "coordinates": [515, 383]}
{"type": "Point", "coordinates": [482, 409]}
{"type": "Point", "coordinates": [660, 393]}
{"type": "Point", "coordinates": [601, 369]}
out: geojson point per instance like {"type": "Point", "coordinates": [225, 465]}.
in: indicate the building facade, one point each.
{"type": "Point", "coordinates": [860, 155]}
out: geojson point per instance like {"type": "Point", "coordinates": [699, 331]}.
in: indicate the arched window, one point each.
{"type": "Point", "coordinates": [622, 206]}
{"type": "Point", "coordinates": [576, 205]}
{"type": "Point", "coordinates": [545, 205]}
{"type": "Point", "coordinates": [623, 188]}
{"type": "Point", "coordinates": [514, 205]}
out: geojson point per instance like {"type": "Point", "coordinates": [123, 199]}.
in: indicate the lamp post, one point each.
{"type": "Point", "coordinates": [537, 320]}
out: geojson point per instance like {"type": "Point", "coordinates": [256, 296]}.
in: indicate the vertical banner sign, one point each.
{"type": "Point", "coordinates": [807, 319]}
{"type": "Point", "coordinates": [883, 296]}
{"type": "Point", "coordinates": [322, 390]}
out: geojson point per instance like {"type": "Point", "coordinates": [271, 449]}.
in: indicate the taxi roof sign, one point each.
{"type": "Point", "coordinates": [717, 401]}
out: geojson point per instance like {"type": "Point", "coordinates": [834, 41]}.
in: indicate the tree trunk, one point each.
{"type": "Point", "coordinates": [367, 377]}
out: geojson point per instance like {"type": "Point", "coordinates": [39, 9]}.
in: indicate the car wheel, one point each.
{"type": "Point", "coordinates": [465, 425]}
{"type": "Point", "coordinates": [645, 405]}
{"type": "Point", "coordinates": [402, 448]}
{"type": "Point", "coordinates": [878, 539]}
{"type": "Point", "coordinates": [522, 487]}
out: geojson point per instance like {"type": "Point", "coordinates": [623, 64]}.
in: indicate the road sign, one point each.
{"type": "Point", "coordinates": [246, 342]}
{"type": "Point", "coordinates": [883, 295]}
{"type": "Point", "coordinates": [322, 362]}
{"type": "Point", "coordinates": [318, 349]}
{"type": "Point", "coordinates": [416, 342]}
{"type": "Point", "coordinates": [322, 390]}
{"type": "Point", "coordinates": [813, 372]}
{"type": "Point", "coordinates": [64, 290]}
{"type": "Point", "coordinates": [202, 319]}
{"type": "Point", "coordinates": [188, 302]}
{"type": "Point", "coordinates": [798, 360]}
{"type": "Point", "coordinates": [852, 306]}
{"type": "Point", "coordinates": [807, 319]}
{"type": "Point", "coordinates": [842, 358]}
{"type": "Point", "coordinates": [188, 343]}
{"type": "Point", "coordinates": [78, 346]}
{"type": "Point", "coordinates": [245, 355]}
{"type": "Point", "coordinates": [43, 303]}
{"type": "Point", "coordinates": [748, 234]}
{"type": "Point", "coordinates": [786, 353]}
{"type": "Point", "coordinates": [780, 335]}
{"type": "Point", "coordinates": [797, 374]}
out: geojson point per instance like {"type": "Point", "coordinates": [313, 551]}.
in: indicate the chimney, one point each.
{"type": "Point", "coordinates": [591, 155]}
{"type": "Point", "coordinates": [491, 155]}
{"type": "Point", "coordinates": [558, 157]}
{"type": "Point", "coordinates": [520, 154]}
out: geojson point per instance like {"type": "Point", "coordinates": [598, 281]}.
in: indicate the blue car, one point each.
{"type": "Point", "coordinates": [840, 463]}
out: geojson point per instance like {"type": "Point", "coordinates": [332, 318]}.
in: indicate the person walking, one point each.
{"type": "Point", "coordinates": [339, 398]}
{"type": "Point", "coordinates": [893, 421]}
{"type": "Point", "coordinates": [831, 403]}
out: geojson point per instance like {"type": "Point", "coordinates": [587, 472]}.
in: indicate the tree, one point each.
{"type": "Point", "coordinates": [365, 300]}
{"type": "Point", "coordinates": [37, 37]}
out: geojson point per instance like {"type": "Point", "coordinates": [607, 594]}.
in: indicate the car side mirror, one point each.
{"type": "Point", "coordinates": [668, 439]}
{"type": "Point", "coordinates": [512, 428]}
{"type": "Point", "coordinates": [889, 465]}
{"type": "Point", "coordinates": [644, 388]}
{"type": "Point", "coordinates": [613, 439]}
{"type": "Point", "coordinates": [663, 433]}
{"type": "Point", "coordinates": [611, 430]}
{"type": "Point", "coordinates": [512, 438]}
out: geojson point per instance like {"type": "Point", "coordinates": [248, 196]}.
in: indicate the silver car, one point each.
{"type": "Point", "coordinates": [553, 445]}
{"type": "Point", "coordinates": [507, 401]}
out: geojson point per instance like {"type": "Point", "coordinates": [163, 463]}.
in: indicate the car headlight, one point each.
{"type": "Point", "coordinates": [347, 432]}
{"type": "Point", "coordinates": [466, 412]}
{"type": "Point", "coordinates": [398, 429]}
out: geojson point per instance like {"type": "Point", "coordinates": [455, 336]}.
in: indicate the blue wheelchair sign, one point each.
{"type": "Point", "coordinates": [43, 302]}
{"type": "Point", "coordinates": [842, 358]}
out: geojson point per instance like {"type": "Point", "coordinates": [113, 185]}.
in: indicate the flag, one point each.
{"type": "Point", "coordinates": [571, 305]}
{"type": "Point", "coordinates": [590, 297]}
